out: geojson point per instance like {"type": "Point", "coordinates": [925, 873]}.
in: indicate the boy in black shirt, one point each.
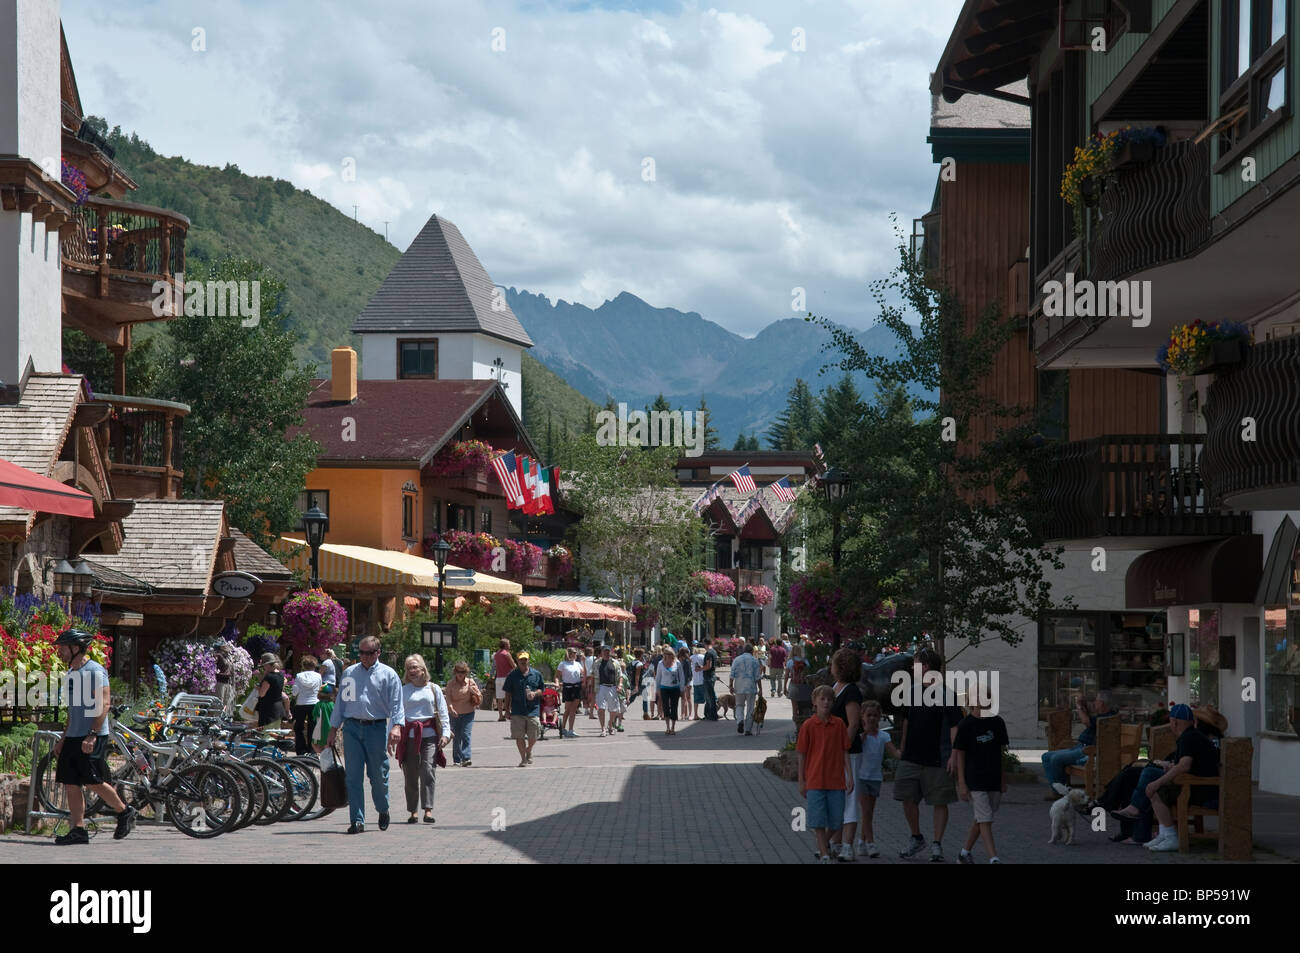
{"type": "Point", "coordinates": [978, 747]}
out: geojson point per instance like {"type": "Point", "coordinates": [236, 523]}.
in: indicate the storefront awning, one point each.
{"type": "Point", "coordinates": [1224, 570]}
{"type": "Point", "coordinates": [550, 608]}
{"type": "Point", "coordinates": [1275, 583]}
{"type": "Point", "coordinates": [361, 565]}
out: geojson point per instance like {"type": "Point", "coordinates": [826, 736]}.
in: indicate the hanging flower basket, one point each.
{"type": "Point", "coordinates": [312, 622]}
{"type": "Point", "coordinates": [759, 595]}
{"type": "Point", "coordinates": [715, 584]}
{"type": "Point", "coordinates": [462, 456]}
{"type": "Point", "coordinates": [1200, 348]}
{"type": "Point", "coordinates": [561, 560]}
{"type": "Point", "coordinates": [468, 550]}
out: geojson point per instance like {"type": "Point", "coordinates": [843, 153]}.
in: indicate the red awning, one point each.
{"type": "Point", "coordinates": [574, 609]}
{"type": "Point", "coordinates": [30, 491]}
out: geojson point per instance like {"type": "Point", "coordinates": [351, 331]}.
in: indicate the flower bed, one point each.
{"type": "Point", "coordinates": [29, 626]}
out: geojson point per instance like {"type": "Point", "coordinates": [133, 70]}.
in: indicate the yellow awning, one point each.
{"type": "Point", "coordinates": [361, 565]}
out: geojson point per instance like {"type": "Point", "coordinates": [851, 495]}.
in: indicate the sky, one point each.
{"type": "Point", "coordinates": [709, 159]}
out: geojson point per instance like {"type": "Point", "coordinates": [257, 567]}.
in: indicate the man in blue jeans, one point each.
{"type": "Point", "coordinates": [370, 698]}
{"type": "Point", "coordinates": [1055, 762]}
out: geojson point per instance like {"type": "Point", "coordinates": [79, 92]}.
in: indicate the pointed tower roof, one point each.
{"type": "Point", "coordinates": [439, 285]}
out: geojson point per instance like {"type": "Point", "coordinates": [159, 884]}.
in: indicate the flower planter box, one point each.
{"type": "Point", "coordinates": [1224, 356]}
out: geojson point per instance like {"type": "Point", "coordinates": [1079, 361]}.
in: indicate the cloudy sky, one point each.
{"type": "Point", "coordinates": [704, 158]}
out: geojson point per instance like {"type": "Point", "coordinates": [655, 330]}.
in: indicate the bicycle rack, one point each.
{"type": "Point", "coordinates": [46, 738]}
{"type": "Point", "coordinates": [186, 705]}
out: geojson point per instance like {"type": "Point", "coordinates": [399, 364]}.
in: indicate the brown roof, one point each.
{"type": "Point", "coordinates": [250, 557]}
{"type": "Point", "coordinates": [404, 422]}
{"type": "Point", "coordinates": [169, 544]}
{"type": "Point", "coordinates": [33, 431]}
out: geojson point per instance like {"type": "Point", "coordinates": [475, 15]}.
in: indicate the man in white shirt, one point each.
{"type": "Point", "coordinates": [697, 680]}
{"type": "Point", "coordinates": [745, 673]}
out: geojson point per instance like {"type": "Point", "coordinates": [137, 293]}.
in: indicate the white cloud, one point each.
{"type": "Point", "coordinates": [774, 167]}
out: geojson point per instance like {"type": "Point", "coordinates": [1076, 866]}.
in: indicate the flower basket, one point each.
{"type": "Point", "coordinates": [715, 584]}
{"type": "Point", "coordinates": [1223, 356]}
{"type": "Point", "coordinates": [312, 622]}
{"type": "Point", "coordinates": [1200, 348]}
{"type": "Point", "coordinates": [462, 456]}
{"type": "Point", "coordinates": [758, 595]}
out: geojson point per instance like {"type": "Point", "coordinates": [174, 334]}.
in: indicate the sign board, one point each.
{"type": "Point", "coordinates": [438, 635]}
{"type": "Point", "coordinates": [235, 585]}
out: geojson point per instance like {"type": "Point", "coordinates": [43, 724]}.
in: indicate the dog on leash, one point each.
{"type": "Point", "coordinates": [760, 712]}
{"type": "Point", "coordinates": [1062, 812]}
{"type": "Point", "coordinates": [726, 703]}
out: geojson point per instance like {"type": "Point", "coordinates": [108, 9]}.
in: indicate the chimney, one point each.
{"type": "Point", "coordinates": [343, 375]}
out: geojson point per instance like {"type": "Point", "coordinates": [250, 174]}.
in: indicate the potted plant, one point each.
{"type": "Point", "coordinates": [1200, 348]}
{"type": "Point", "coordinates": [1135, 145]}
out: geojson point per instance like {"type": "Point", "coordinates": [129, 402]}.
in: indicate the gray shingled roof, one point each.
{"type": "Point", "coordinates": [249, 557]}
{"type": "Point", "coordinates": [32, 431]}
{"type": "Point", "coordinates": [439, 285]}
{"type": "Point", "coordinates": [981, 112]}
{"type": "Point", "coordinates": [170, 544]}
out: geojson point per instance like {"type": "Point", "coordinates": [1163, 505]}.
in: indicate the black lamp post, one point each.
{"type": "Point", "coordinates": [440, 550]}
{"type": "Point", "coordinates": [835, 484]}
{"type": "Point", "coordinates": [313, 522]}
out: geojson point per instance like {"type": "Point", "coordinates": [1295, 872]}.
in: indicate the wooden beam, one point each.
{"type": "Point", "coordinates": [1000, 58]}
{"type": "Point", "coordinates": [1011, 33]}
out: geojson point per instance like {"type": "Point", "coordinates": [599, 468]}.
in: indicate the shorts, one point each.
{"type": "Point", "coordinates": [501, 688]}
{"type": "Point", "coordinates": [573, 693]}
{"type": "Point", "coordinates": [525, 727]}
{"type": "Point", "coordinates": [985, 804]}
{"type": "Point", "coordinates": [825, 808]}
{"type": "Point", "coordinates": [869, 787]}
{"type": "Point", "coordinates": [77, 767]}
{"type": "Point", "coordinates": [607, 698]}
{"type": "Point", "coordinates": [912, 782]}
{"type": "Point", "coordinates": [699, 694]}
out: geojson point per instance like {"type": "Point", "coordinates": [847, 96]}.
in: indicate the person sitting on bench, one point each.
{"type": "Point", "coordinates": [1055, 762]}
{"type": "Point", "coordinates": [1194, 754]}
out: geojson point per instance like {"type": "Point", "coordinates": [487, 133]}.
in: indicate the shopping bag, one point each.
{"type": "Point", "coordinates": [333, 781]}
{"type": "Point", "coordinates": [248, 710]}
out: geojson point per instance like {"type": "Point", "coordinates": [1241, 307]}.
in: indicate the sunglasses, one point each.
{"type": "Point", "coordinates": [370, 651]}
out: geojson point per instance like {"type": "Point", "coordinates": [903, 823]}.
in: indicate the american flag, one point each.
{"type": "Point", "coordinates": [784, 492]}
{"type": "Point", "coordinates": [504, 465]}
{"type": "Point", "coordinates": [743, 480]}
{"type": "Point", "coordinates": [707, 497]}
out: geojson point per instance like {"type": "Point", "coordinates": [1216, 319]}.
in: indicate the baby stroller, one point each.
{"type": "Point", "coordinates": [550, 711]}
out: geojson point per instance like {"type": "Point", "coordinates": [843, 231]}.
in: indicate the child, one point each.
{"type": "Point", "coordinates": [870, 773]}
{"type": "Point", "coordinates": [823, 745]}
{"type": "Point", "coordinates": [978, 746]}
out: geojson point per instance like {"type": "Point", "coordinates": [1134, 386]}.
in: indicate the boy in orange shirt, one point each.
{"type": "Point", "coordinates": [822, 746]}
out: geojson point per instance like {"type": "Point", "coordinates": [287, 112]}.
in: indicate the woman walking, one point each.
{"type": "Point", "coordinates": [760, 653]}
{"type": "Point", "coordinates": [427, 729]}
{"type": "Point", "coordinates": [684, 660]}
{"type": "Point", "coordinates": [306, 693]}
{"type": "Point", "coordinates": [270, 692]}
{"type": "Point", "coordinates": [669, 681]}
{"type": "Point", "coordinates": [463, 699]}
{"type": "Point", "coordinates": [846, 666]}
{"type": "Point", "coordinates": [571, 674]}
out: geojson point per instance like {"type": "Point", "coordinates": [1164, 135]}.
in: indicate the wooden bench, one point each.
{"type": "Point", "coordinates": [1103, 757]}
{"type": "Point", "coordinates": [1234, 808]}
{"type": "Point", "coordinates": [1160, 741]}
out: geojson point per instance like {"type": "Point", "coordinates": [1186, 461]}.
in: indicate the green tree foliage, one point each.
{"type": "Point", "coordinates": [796, 426]}
{"type": "Point", "coordinates": [840, 412]}
{"type": "Point", "coordinates": [479, 627]}
{"type": "Point", "coordinates": [548, 402]}
{"type": "Point", "coordinates": [245, 391]}
{"type": "Point", "coordinates": [947, 528]}
{"type": "Point", "coordinates": [711, 439]}
{"type": "Point", "coordinates": [84, 355]}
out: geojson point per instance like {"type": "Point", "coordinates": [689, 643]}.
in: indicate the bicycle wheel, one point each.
{"type": "Point", "coordinates": [279, 787]}
{"type": "Point", "coordinates": [49, 793]}
{"type": "Point", "coordinates": [305, 788]}
{"type": "Point", "coordinates": [203, 800]}
{"type": "Point", "coordinates": [312, 764]}
{"type": "Point", "coordinates": [254, 789]}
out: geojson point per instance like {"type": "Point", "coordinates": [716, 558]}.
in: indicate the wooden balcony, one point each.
{"type": "Point", "coordinates": [145, 452]}
{"type": "Point", "coordinates": [744, 578]}
{"type": "Point", "coordinates": [1134, 485]}
{"type": "Point", "coordinates": [1264, 472]}
{"type": "Point", "coordinates": [111, 260]}
{"type": "Point", "coordinates": [481, 481]}
{"type": "Point", "coordinates": [1155, 212]}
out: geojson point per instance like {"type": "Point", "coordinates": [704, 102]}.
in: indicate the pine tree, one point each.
{"type": "Point", "coordinates": [742, 443]}
{"type": "Point", "coordinates": [711, 439]}
{"type": "Point", "coordinates": [794, 428]}
{"type": "Point", "coordinates": [840, 412]}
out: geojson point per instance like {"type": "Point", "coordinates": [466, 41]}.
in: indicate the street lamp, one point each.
{"type": "Point", "coordinates": [313, 522]}
{"type": "Point", "coordinates": [835, 485]}
{"type": "Point", "coordinates": [83, 579]}
{"type": "Point", "coordinates": [64, 577]}
{"type": "Point", "coordinates": [440, 550]}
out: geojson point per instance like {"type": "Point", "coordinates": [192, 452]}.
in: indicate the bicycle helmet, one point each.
{"type": "Point", "coordinates": [77, 637]}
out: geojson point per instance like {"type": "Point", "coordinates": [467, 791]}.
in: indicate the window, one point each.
{"type": "Point", "coordinates": [1281, 670]}
{"type": "Point", "coordinates": [417, 360]}
{"type": "Point", "coordinates": [1203, 656]}
{"type": "Point", "coordinates": [1253, 72]}
{"type": "Point", "coordinates": [409, 529]}
{"type": "Point", "coordinates": [485, 520]}
{"type": "Point", "coordinates": [460, 517]}
{"type": "Point", "coordinates": [305, 500]}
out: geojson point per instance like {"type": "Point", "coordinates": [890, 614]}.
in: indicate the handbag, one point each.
{"type": "Point", "coordinates": [333, 782]}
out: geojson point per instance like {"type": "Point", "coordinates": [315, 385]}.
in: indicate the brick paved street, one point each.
{"type": "Point", "coordinates": [603, 800]}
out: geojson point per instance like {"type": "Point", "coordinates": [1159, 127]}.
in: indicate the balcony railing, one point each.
{"type": "Point", "coordinates": [125, 240]}
{"type": "Point", "coordinates": [744, 578]}
{"type": "Point", "coordinates": [1260, 393]}
{"type": "Point", "coordinates": [145, 450]}
{"type": "Point", "coordinates": [1134, 485]}
{"type": "Point", "coordinates": [479, 480]}
{"type": "Point", "coordinates": [1154, 212]}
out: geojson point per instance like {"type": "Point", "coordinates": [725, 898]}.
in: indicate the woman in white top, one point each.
{"type": "Point", "coordinates": [760, 653]}
{"type": "Point", "coordinates": [670, 681]}
{"type": "Point", "coordinates": [306, 690]}
{"type": "Point", "coordinates": [425, 707]}
{"type": "Point", "coordinates": [570, 673]}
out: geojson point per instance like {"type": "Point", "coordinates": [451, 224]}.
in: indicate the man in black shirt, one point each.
{"type": "Point", "coordinates": [927, 767]}
{"type": "Point", "coordinates": [710, 670]}
{"type": "Point", "coordinates": [1194, 754]}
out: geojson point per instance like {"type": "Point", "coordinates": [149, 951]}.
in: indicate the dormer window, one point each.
{"type": "Point", "coordinates": [417, 360]}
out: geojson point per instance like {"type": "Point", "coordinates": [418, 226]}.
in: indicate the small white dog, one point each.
{"type": "Point", "coordinates": [1063, 810]}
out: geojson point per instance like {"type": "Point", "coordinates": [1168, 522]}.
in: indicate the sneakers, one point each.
{"type": "Point", "coordinates": [936, 853]}
{"type": "Point", "coordinates": [466, 763]}
{"type": "Point", "coordinates": [995, 860]}
{"type": "Point", "coordinates": [357, 829]}
{"type": "Point", "coordinates": [845, 852]}
{"type": "Point", "coordinates": [749, 734]}
{"type": "Point", "coordinates": [523, 762]}
{"type": "Point", "coordinates": [914, 847]}
{"type": "Point", "coordinates": [603, 732]}
{"type": "Point", "coordinates": [529, 758]}
{"type": "Point", "coordinates": [383, 822]}
{"type": "Point", "coordinates": [868, 849]}
{"type": "Point", "coordinates": [1164, 842]}
{"type": "Point", "coordinates": [125, 823]}
{"type": "Point", "coordinates": [618, 727]}
{"type": "Point", "coordinates": [77, 835]}
{"type": "Point", "coordinates": [740, 729]}
{"type": "Point", "coordinates": [825, 858]}
{"type": "Point", "coordinates": [965, 857]}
